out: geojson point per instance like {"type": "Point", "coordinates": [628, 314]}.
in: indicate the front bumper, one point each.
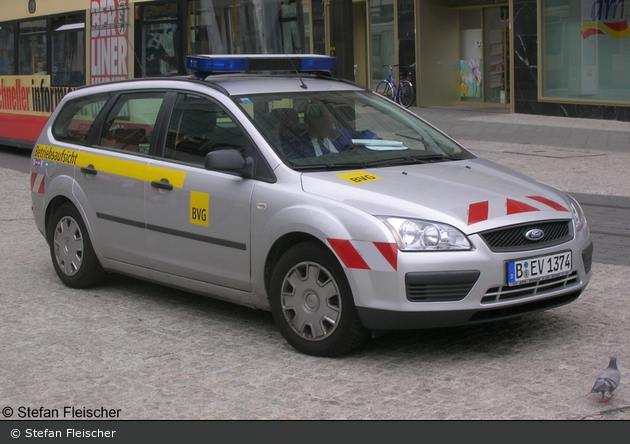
{"type": "Point", "coordinates": [443, 289]}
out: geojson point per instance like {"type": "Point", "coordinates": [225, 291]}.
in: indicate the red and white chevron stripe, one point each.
{"type": "Point", "coordinates": [482, 211]}
{"type": "Point", "coordinates": [37, 183]}
{"type": "Point", "coordinates": [364, 255]}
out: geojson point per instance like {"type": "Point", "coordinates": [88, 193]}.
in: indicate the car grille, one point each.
{"type": "Point", "coordinates": [444, 286]}
{"type": "Point", "coordinates": [521, 309]}
{"type": "Point", "coordinates": [505, 292]}
{"type": "Point", "coordinates": [513, 238]}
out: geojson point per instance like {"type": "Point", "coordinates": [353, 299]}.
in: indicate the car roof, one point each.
{"type": "Point", "coordinates": [231, 84]}
{"type": "Point", "coordinates": [238, 84]}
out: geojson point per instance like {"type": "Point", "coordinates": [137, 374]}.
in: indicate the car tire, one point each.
{"type": "Point", "coordinates": [312, 302]}
{"type": "Point", "coordinates": [71, 250]}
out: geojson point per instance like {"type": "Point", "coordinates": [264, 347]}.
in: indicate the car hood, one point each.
{"type": "Point", "coordinates": [472, 195]}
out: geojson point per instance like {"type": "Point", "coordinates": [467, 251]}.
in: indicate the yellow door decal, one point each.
{"type": "Point", "coordinates": [358, 177]}
{"type": "Point", "coordinates": [111, 165]}
{"type": "Point", "coordinates": [199, 208]}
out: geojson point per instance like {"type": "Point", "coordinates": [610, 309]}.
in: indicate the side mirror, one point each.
{"type": "Point", "coordinates": [230, 160]}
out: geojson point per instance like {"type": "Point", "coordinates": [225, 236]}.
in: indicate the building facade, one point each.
{"type": "Point", "coordinates": [547, 57]}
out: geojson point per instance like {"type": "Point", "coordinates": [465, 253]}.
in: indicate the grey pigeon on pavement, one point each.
{"type": "Point", "coordinates": [608, 380]}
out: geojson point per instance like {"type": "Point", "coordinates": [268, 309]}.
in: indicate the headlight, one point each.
{"type": "Point", "coordinates": [420, 235]}
{"type": "Point", "coordinates": [579, 219]}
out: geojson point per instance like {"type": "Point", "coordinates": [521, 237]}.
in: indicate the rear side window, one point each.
{"type": "Point", "coordinates": [77, 117]}
{"type": "Point", "coordinates": [131, 122]}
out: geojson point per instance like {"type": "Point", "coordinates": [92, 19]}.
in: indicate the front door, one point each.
{"type": "Point", "coordinates": [198, 221]}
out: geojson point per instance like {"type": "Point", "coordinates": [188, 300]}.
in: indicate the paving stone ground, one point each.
{"type": "Point", "coordinates": [157, 353]}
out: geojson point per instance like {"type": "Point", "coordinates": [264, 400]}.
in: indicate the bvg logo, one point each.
{"type": "Point", "coordinates": [607, 17]}
{"type": "Point", "coordinates": [199, 208]}
{"type": "Point", "coordinates": [358, 177]}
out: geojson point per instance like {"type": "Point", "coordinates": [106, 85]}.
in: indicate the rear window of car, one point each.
{"type": "Point", "coordinates": [76, 118]}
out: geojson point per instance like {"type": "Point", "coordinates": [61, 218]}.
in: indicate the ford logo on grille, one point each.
{"type": "Point", "coordinates": [535, 234]}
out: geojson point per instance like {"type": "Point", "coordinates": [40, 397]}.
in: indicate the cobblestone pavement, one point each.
{"type": "Point", "coordinates": [157, 353]}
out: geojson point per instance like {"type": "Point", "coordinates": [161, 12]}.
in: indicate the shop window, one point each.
{"type": "Point", "coordinates": [382, 40]}
{"type": "Point", "coordinates": [585, 50]}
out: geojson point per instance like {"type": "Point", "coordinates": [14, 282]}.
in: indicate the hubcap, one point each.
{"type": "Point", "coordinates": [68, 246]}
{"type": "Point", "coordinates": [311, 301]}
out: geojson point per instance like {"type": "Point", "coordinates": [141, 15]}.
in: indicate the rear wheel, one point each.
{"type": "Point", "coordinates": [71, 251]}
{"type": "Point", "coordinates": [385, 89]}
{"type": "Point", "coordinates": [406, 94]}
{"type": "Point", "coordinates": [312, 303]}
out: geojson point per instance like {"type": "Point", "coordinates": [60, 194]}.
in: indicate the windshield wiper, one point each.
{"type": "Point", "coordinates": [404, 160]}
{"type": "Point", "coordinates": [409, 160]}
{"type": "Point", "coordinates": [327, 166]}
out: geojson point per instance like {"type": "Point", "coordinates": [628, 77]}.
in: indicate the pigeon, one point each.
{"type": "Point", "coordinates": [608, 380]}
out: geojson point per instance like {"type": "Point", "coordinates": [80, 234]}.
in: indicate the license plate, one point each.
{"type": "Point", "coordinates": [539, 268]}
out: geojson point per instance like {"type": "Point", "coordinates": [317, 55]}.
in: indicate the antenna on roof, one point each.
{"type": "Point", "coordinates": [303, 85]}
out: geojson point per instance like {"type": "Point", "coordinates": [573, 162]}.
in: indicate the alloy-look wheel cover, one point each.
{"type": "Point", "coordinates": [311, 301]}
{"type": "Point", "coordinates": [68, 246]}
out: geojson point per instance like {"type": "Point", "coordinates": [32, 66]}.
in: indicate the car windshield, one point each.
{"type": "Point", "coordinates": [345, 130]}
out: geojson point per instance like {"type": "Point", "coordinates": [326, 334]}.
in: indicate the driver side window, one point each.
{"type": "Point", "coordinates": [197, 127]}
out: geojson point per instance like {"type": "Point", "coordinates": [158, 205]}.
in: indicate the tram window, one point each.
{"type": "Point", "coordinates": [7, 49]}
{"type": "Point", "coordinates": [160, 40]}
{"type": "Point", "coordinates": [32, 47]}
{"type": "Point", "coordinates": [68, 51]}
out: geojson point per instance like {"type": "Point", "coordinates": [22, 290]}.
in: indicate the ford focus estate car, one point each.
{"type": "Point", "coordinates": [264, 181]}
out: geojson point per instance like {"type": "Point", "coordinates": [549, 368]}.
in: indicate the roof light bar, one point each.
{"type": "Point", "coordinates": [204, 65]}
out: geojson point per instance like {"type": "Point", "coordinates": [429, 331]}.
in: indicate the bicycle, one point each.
{"type": "Point", "coordinates": [402, 94]}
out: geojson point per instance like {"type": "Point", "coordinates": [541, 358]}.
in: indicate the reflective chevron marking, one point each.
{"type": "Point", "coordinates": [482, 211]}
{"type": "Point", "coordinates": [364, 255]}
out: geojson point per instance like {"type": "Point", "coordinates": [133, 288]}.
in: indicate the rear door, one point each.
{"type": "Point", "coordinates": [198, 221]}
{"type": "Point", "coordinates": [113, 176]}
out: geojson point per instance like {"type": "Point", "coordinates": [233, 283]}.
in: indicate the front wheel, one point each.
{"type": "Point", "coordinates": [385, 89]}
{"type": "Point", "coordinates": [406, 94]}
{"type": "Point", "coordinates": [71, 251]}
{"type": "Point", "coordinates": [312, 303]}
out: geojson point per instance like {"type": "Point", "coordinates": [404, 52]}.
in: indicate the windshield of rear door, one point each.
{"type": "Point", "coordinates": [346, 130]}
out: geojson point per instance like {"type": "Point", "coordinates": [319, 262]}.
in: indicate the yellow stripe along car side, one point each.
{"type": "Point", "coordinates": [107, 164]}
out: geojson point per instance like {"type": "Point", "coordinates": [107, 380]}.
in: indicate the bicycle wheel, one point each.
{"type": "Point", "coordinates": [385, 89]}
{"type": "Point", "coordinates": [406, 94]}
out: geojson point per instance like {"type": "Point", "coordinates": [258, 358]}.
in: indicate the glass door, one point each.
{"type": "Point", "coordinates": [470, 56]}
{"type": "Point", "coordinates": [496, 55]}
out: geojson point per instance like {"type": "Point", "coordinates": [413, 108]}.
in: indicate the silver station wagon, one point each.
{"type": "Point", "coordinates": [264, 181]}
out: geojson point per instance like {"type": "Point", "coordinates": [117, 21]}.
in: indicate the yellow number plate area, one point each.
{"type": "Point", "coordinates": [358, 177]}
{"type": "Point", "coordinates": [199, 208]}
{"type": "Point", "coordinates": [106, 164]}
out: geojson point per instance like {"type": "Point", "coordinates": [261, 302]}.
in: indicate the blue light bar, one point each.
{"type": "Point", "coordinates": [207, 64]}
{"type": "Point", "coordinates": [204, 65]}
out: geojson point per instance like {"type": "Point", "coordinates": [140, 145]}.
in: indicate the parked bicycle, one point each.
{"type": "Point", "coordinates": [401, 93]}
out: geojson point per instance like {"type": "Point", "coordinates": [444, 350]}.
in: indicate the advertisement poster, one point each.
{"type": "Point", "coordinates": [109, 36]}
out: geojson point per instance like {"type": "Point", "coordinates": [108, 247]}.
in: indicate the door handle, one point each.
{"type": "Point", "coordinates": [162, 185]}
{"type": "Point", "coordinates": [89, 170]}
